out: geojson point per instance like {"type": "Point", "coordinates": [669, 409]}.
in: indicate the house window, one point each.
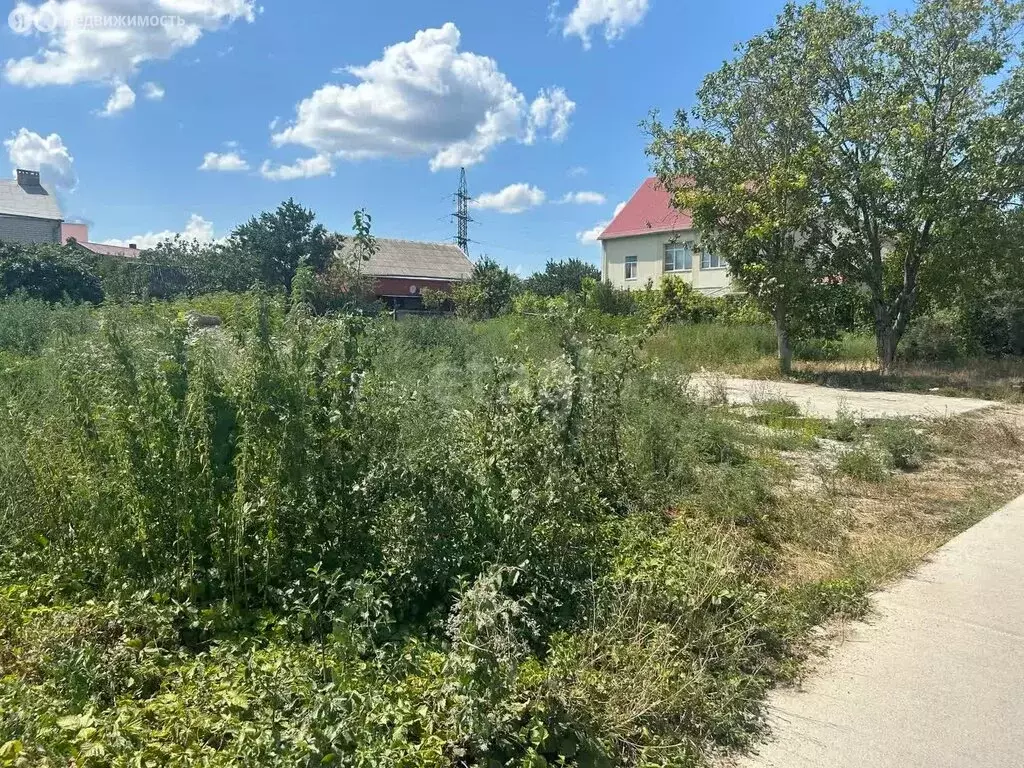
{"type": "Point", "coordinates": [710, 260]}
{"type": "Point", "coordinates": [678, 257]}
{"type": "Point", "coordinates": [631, 267]}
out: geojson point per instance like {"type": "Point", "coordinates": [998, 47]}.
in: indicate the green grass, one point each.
{"type": "Point", "coordinates": [714, 346]}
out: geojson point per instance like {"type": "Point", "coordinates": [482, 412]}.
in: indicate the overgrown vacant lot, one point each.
{"type": "Point", "coordinates": [307, 541]}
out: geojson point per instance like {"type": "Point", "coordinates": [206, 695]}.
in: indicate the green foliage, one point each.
{"type": "Point", "coordinates": [844, 427]}
{"type": "Point", "coordinates": [51, 273]}
{"type": "Point", "coordinates": [935, 338]}
{"type": "Point", "coordinates": [488, 294]}
{"type": "Point", "coordinates": [28, 325]}
{"type": "Point", "coordinates": [310, 540]}
{"type": "Point", "coordinates": [562, 277]}
{"type": "Point", "coordinates": [863, 462]}
{"type": "Point", "coordinates": [906, 446]}
{"type": "Point", "coordinates": [606, 298]}
{"type": "Point", "coordinates": [271, 247]}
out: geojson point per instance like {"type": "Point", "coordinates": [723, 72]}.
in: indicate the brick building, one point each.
{"type": "Point", "coordinates": [29, 211]}
{"type": "Point", "coordinates": [401, 269]}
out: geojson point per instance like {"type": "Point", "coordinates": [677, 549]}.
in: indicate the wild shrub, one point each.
{"type": "Point", "coordinates": [906, 446]}
{"type": "Point", "coordinates": [844, 427]}
{"type": "Point", "coordinates": [27, 325]}
{"type": "Point", "coordinates": [863, 463]}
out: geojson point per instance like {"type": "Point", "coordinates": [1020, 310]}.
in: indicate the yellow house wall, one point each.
{"type": "Point", "coordinates": [650, 253]}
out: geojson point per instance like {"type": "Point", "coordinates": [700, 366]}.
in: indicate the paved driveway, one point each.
{"type": "Point", "coordinates": [824, 402]}
{"type": "Point", "coordinates": [934, 680]}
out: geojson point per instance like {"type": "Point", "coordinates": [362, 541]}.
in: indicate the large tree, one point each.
{"type": "Point", "coordinates": [919, 127]}
{"type": "Point", "coordinates": [270, 247]}
{"type": "Point", "coordinates": [743, 163]}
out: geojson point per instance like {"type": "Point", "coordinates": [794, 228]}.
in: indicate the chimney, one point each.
{"type": "Point", "coordinates": [28, 178]}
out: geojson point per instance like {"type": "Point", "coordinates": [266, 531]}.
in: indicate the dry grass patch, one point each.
{"type": "Point", "coordinates": [877, 531]}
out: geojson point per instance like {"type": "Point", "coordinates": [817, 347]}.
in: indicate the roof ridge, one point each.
{"type": "Point", "coordinates": [418, 242]}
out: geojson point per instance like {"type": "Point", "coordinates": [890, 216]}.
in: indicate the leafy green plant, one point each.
{"type": "Point", "coordinates": [844, 427]}
{"type": "Point", "coordinates": [905, 444]}
{"type": "Point", "coordinates": [863, 463]}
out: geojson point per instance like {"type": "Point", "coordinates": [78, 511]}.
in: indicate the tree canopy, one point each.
{"type": "Point", "coordinates": [872, 148]}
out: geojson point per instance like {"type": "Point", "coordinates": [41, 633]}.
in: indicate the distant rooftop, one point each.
{"type": "Point", "coordinates": [411, 258]}
{"type": "Point", "coordinates": [649, 210]}
{"type": "Point", "coordinates": [80, 234]}
{"type": "Point", "coordinates": [26, 196]}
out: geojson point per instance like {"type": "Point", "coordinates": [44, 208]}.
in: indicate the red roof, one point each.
{"type": "Point", "coordinates": [649, 210]}
{"type": "Point", "coordinates": [103, 249]}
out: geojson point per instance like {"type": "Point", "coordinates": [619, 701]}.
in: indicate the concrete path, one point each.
{"type": "Point", "coordinates": [934, 680]}
{"type": "Point", "coordinates": [824, 402]}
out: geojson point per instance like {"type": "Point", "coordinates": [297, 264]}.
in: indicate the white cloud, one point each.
{"type": "Point", "coordinates": [227, 161]}
{"type": "Point", "coordinates": [306, 168]}
{"type": "Point", "coordinates": [121, 99]}
{"type": "Point", "coordinates": [76, 52]}
{"type": "Point", "coordinates": [551, 108]}
{"type": "Point", "coordinates": [589, 236]}
{"type": "Point", "coordinates": [32, 152]}
{"type": "Point", "coordinates": [515, 198]}
{"type": "Point", "coordinates": [577, 171]}
{"type": "Point", "coordinates": [197, 228]}
{"type": "Point", "coordinates": [423, 97]}
{"type": "Point", "coordinates": [616, 16]}
{"type": "Point", "coordinates": [153, 91]}
{"type": "Point", "coordinates": [584, 198]}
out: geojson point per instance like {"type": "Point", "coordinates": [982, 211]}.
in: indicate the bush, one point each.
{"type": "Point", "coordinates": [844, 427]}
{"type": "Point", "coordinates": [906, 446]}
{"type": "Point", "coordinates": [27, 325]}
{"type": "Point", "coordinates": [51, 273]}
{"type": "Point", "coordinates": [935, 338]}
{"type": "Point", "coordinates": [863, 463]}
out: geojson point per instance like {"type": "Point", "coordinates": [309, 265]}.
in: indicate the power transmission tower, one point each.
{"type": "Point", "coordinates": [461, 214]}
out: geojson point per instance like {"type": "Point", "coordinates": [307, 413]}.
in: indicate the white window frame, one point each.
{"type": "Point", "coordinates": [634, 262]}
{"type": "Point", "coordinates": [674, 249]}
{"type": "Point", "coordinates": [705, 261]}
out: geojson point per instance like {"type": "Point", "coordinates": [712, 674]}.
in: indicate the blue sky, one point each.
{"type": "Point", "coordinates": [299, 99]}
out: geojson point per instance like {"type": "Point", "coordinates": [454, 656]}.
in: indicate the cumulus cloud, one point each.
{"type": "Point", "coordinates": [515, 198]}
{"type": "Point", "coordinates": [197, 228]}
{"type": "Point", "coordinates": [424, 97]}
{"type": "Point", "coordinates": [589, 236]}
{"type": "Point", "coordinates": [77, 52]}
{"type": "Point", "coordinates": [121, 99]}
{"type": "Point", "coordinates": [577, 171]}
{"type": "Point", "coordinates": [583, 198]}
{"type": "Point", "coordinates": [306, 168]}
{"type": "Point", "coordinates": [615, 16]}
{"type": "Point", "coordinates": [551, 109]}
{"type": "Point", "coordinates": [48, 155]}
{"type": "Point", "coordinates": [227, 162]}
{"type": "Point", "coordinates": [153, 91]}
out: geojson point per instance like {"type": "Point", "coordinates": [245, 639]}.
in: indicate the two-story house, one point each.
{"type": "Point", "coordinates": [29, 211]}
{"type": "Point", "coordinates": [649, 239]}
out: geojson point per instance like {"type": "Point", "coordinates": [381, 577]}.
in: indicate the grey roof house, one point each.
{"type": "Point", "coordinates": [401, 269]}
{"type": "Point", "coordinates": [29, 211]}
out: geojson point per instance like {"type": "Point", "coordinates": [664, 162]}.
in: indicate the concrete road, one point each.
{"type": "Point", "coordinates": [824, 402]}
{"type": "Point", "coordinates": [934, 680]}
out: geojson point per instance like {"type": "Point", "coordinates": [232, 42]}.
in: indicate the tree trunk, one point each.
{"type": "Point", "coordinates": [886, 338]}
{"type": "Point", "coordinates": [887, 342]}
{"type": "Point", "coordinates": [782, 334]}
